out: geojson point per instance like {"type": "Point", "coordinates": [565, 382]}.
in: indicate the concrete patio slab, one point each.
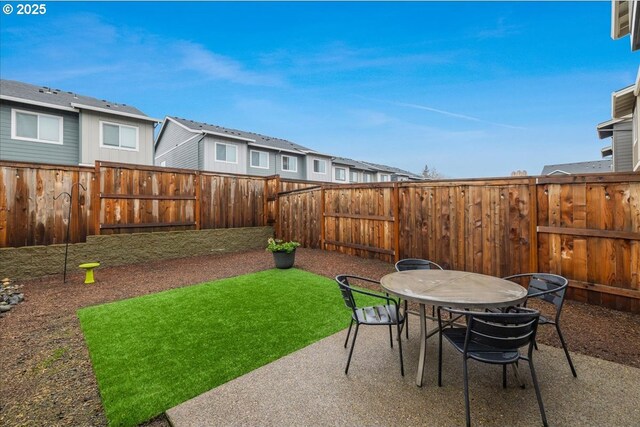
{"type": "Point", "coordinates": [309, 387]}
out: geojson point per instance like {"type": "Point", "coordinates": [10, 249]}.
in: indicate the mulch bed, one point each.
{"type": "Point", "coordinates": [46, 373]}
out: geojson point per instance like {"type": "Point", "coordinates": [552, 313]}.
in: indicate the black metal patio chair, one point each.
{"type": "Point", "coordinates": [387, 314]}
{"type": "Point", "coordinates": [416, 264]}
{"type": "Point", "coordinates": [551, 289]}
{"type": "Point", "coordinates": [493, 338]}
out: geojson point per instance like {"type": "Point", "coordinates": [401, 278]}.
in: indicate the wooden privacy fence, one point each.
{"type": "Point", "coordinates": [586, 228]}
{"type": "Point", "coordinates": [125, 198]}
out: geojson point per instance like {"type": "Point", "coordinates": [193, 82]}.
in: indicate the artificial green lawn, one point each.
{"type": "Point", "coordinates": [153, 352]}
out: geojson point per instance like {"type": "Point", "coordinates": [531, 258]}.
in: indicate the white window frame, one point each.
{"type": "Point", "coordinates": [367, 177]}
{"type": "Point", "coordinates": [14, 127]}
{"type": "Point", "coordinates": [120, 125]}
{"type": "Point", "coordinates": [383, 176]}
{"type": "Point", "coordinates": [351, 175]}
{"type": "Point", "coordinates": [319, 162]}
{"type": "Point", "coordinates": [282, 163]}
{"type": "Point", "coordinates": [251, 159]}
{"type": "Point", "coordinates": [215, 150]}
{"type": "Point", "coordinates": [636, 139]}
{"type": "Point", "coordinates": [335, 171]}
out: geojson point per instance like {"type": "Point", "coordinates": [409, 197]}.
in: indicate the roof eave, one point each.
{"type": "Point", "coordinates": [117, 113]}
{"type": "Point", "coordinates": [37, 103]}
{"type": "Point", "coordinates": [622, 102]}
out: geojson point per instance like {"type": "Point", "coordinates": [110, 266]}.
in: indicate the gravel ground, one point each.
{"type": "Point", "coordinates": [46, 373]}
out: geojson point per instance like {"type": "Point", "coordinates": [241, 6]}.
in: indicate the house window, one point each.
{"type": "Point", "coordinates": [353, 176]}
{"type": "Point", "coordinates": [289, 163]}
{"type": "Point", "coordinates": [340, 174]}
{"type": "Point", "coordinates": [114, 135]}
{"type": "Point", "coordinates": [227, 153]}
{"type": "Point", "coordinates": [36, 127]}
{"type": "Point", "coordinates": [320, 166]}
{"type": "Point", "coordinates": [385, 178]}
{"type": "Point", "coordinates": [259, 159]}
{"type": "Point", "coordinates": [368, 177]}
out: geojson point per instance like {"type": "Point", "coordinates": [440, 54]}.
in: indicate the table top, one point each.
{"type": "Point", "coordinates": [457, 289]}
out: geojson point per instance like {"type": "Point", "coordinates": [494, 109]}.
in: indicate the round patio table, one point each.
{"type": "Point", "coordinates": [450, 288]}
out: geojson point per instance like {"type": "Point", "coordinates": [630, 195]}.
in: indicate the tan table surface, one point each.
{"type": "Point", "coordinates": [450, 288]}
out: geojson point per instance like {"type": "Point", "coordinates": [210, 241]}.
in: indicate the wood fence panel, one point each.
{"type": "Point", "coordinates": [232, 201]}
{"type": "Point", "coordinates": [136, 198]}
{"type": "Point", "coordinates": [359, 220]}
{"type": "Point", "coordinates": [300, 217]}
{"type": "Point", "coordinates": [589, 232]}
{"type": "Point", "coordinates": [29, 215]}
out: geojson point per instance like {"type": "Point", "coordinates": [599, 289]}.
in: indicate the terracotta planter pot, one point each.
{"type": "Point", "coordinates": [284, 260]}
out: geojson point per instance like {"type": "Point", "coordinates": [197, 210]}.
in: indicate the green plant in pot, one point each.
{"type": "Point", "coordinates": [284, 253]}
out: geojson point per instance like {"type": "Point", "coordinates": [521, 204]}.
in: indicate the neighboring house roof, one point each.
{"type": "Point", "coordinates": [251, 138]}
{"type": "Point", "coordinates": [353, 164]}
{"type": "Point", "coordinates": [597, 166]}
{"type": "Point", "coordinates": [393, 170]}
{"type": "Point", "coordinates": [12, 90]}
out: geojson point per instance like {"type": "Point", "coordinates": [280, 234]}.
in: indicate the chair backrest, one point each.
{"type": "Point", "coordinates": [345, 290]}
{"type": "Point", "coordinates": [550, 287]}
{"type": "Point", "coordinates": [504, 331]}
{"type": "Point", "coordinates": [416, 264]}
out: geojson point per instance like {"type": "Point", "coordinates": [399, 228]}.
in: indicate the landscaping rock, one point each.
{"type": "Point", "coordinates": [10, 295]}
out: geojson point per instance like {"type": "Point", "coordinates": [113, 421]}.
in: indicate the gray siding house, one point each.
{"type": "Point", "coordinates": [621, 149]}
{"type": "Point", "coordinates": [195, 145]}
{"type": "Point", "coordinates": [625, 113]}
{"type": "Point", "coordinates": [45, 125]}
{"type": "Point", "coordinates": [352, 170]}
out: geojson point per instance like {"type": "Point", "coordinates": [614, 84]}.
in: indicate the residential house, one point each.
{"type": "Point", "coordinates": [386, 173]}
{"type": "Point", "coordinates": [189, 144]}
{"type": "Point", "coordinates": [621, 148]}
{"type": "Point", "coordinates": [625, 20]}
{"type": "Point", "coordinates": [46, 125]}
{"type": "Point", "coordinates": [625, 104]}
{"type": "Point", "coordinates": [598, 166]}
{"type": "Point", "coordinates": [352, 171]}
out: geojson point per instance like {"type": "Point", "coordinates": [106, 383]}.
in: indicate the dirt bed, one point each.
{"type": "Point", "coordinates": [46, 373]}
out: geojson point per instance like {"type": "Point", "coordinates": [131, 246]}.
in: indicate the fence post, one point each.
{"type": "Point", "coordinates": [322, 218]}
{"type": "Point", "coordinates": [97, 205]}
{"type": "Point", "coordinates": [396, 221]}
{"type": "Point", "coordinates": [533, 225]}
{"type": "Point", "coordinates": [276, 216]}
{"type": "Point", "coordinates": [198, 203]}
{"type": "Point", "coordinates": [265, 199]}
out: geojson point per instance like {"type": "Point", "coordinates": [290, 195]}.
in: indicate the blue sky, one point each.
{"type": "Point", "coordinates": [472, 89]}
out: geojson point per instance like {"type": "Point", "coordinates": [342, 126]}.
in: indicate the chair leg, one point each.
{"type": "Point", "coordinates": [538, 395]}
{"type": "Point", "coordinates": [390, 336]}
{"type": "Point", "coordinates": [353, 344]}
{"type": "Point", "coordinates": [466, 392]}
{"type": "Point", "coordinates": [348, 333]}
{"type": "Point", "coordinates": [400, 349]}
{"type": "Point", "coordinates": [406, 318]}
{"type": "Point", "coordinates": [504, 376]}
{"type": "Point", "coordinates": [566, 351]}
{"type": "Point", "coordinates": [440, 359]}
{"type": "Point", "coordinates": [535, 345]}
